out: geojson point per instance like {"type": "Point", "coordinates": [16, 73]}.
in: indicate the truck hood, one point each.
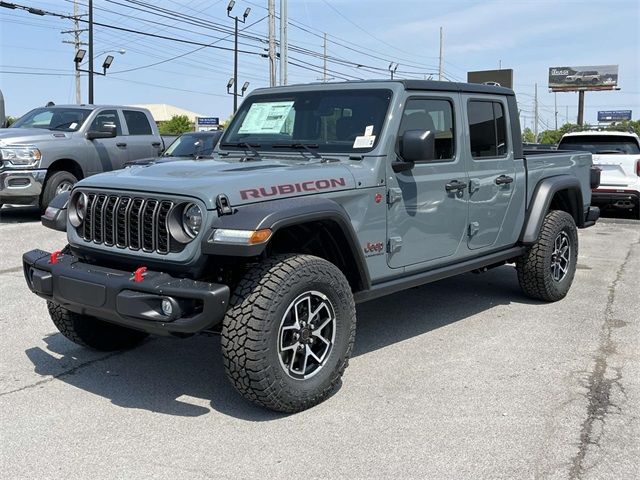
{"type": "Point", "coordinates": [10, 136]}
{"type": "Point", "coordinates": [242, 182]}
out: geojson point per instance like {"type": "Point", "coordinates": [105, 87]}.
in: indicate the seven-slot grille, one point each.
{"type": "Point", "coordinates": [127, 222]}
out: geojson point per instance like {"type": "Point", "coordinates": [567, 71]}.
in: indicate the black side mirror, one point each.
{"type": "Point", "coordinates": [415, 146]}
{"type": "Point", "coordinates": [108, 131]}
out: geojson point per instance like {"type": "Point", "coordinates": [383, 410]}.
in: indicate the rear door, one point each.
{"type": "Point", "coordinates": [109, 153]}
{"type": "Point", "coordinates": [425, 222]}
{"type": "Point", "coordinates": [491, 170]}
{"type": "Point", "coordinates": [141, 141]}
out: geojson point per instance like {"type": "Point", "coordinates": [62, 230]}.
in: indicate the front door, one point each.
{"type": "Point", "coordinates": [108, 153]}
{"type": "Point", "coordinates": [491, 170]}
{"type": "Point", "coordinates": [427, 219]}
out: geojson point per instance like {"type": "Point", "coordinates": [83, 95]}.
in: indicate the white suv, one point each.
{"type": "Point", "coordinates": [617, 154]}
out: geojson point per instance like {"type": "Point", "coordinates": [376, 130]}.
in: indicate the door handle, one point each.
{"type": "Point", "coordinates": [155, 144]}
{"type": "Point", "coordinates": [503, 180]}
{"type": "Point", "coordinates": [455, 186]}
{"type": "Point", "coordinates": [121, 144]}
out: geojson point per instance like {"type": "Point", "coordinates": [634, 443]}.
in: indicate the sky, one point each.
{"type": "Point", "coordinates": [363, 38]}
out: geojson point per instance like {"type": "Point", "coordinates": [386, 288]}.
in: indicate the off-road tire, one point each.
{"type": "Point", "coordinates": [93, 333]}
{"type": "Point", "coordinates": [52, 182]}
{"type": "Point", "coordinates": [251, 330]}
{"type": "Point", "coordinates": [534, 266]}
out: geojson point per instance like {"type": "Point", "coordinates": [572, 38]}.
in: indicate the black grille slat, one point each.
{"type": "Point", "coordinates": [162, 244]}
{"type": "Point", "coordinates": [134, 223]}
{"type": "Point", "coordinates": [128, 222]}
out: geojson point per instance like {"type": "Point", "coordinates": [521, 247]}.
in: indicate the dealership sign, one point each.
{"type": "Point", "coordinates": [614, 115]}
{"type": "Point", "coordinates": [567, 79]}
{"type": "Point", "coordinates": [208, 121]}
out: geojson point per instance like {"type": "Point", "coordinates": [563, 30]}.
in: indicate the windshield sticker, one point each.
{"type": "Point", "coordinates": [73, 126]}
{"type": "Point", "coordinates": [368, 131]}
{"type": "Point", "coordinates": [268, 117]}
{"type": "Point", "coordinates": [365, 141]}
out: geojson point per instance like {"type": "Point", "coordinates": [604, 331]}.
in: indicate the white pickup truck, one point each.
{"type": "Point", "coordinates": [617, 154]}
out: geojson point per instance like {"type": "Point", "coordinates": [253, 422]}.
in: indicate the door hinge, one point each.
{"type": "Point", "coordinates": [393, 195]}
{"type": "Point", "coordinates": [474, 186]}
{"type": "Point", "coordinates": [474, 227]}
{"type": "Point", "coordinates": [394, 244]}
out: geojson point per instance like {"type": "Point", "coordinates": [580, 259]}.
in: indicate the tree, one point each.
{"type": "Point", "coordinates": [528, 136]}
{"type": "Point", "coordinates": [178, 125]}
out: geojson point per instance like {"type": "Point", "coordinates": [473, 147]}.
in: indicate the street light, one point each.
{"type": "Point", "coordinates": [79, 56]}
{"type": "Point", "coordinates": [392, 68]}
{"type": "Point", "coordinates": [234, 84]}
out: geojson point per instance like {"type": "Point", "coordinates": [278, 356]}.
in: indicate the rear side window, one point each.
{"type": "Point", "coordinates": [435, 115]}
{"type": "Point", "coordinates": [602, 144]}
{"type": "Point", "coordinates": [137, 123]}
{"type": "Point", "coordinates": [105, 119]}
{"type": "Point", "coordinates": [487, 129]}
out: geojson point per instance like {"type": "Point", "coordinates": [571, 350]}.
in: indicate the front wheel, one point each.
{"type": "Point", "coordinates": [55, 184]}
{"type": "Point", "coordinates": [92, 332]}
{"type": "Point", "coordinates": [289, 332]}
{"type": "Point", "coordinates": [546, 270]}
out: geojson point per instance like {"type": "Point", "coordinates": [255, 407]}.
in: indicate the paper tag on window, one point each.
{"type": "Point", "coordinates": [368, 131]}
{"type": "Point", "coordinates": [73, 126]}
{"type": "Point", "coordinates": [365, 141]}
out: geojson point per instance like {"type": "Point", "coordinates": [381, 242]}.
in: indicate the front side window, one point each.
{"type": "Point", "coordinates": [326, 120]}
{"type": "Point", "coordinates": [435, 115]}
{"type": "Point", "coordinates": [106, 119]}
{"type": "Point", "coordinates": [54, 118]}
{"type": "Point", "coordinates": [137, 123]}
{"type": "Point", "coordinates": [487, 129]}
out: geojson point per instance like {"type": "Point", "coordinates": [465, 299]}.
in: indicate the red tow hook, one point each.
{"type": "Point", "coordinates": [53, 258]}
{"type": "Point", "coordinates": [138, 275]}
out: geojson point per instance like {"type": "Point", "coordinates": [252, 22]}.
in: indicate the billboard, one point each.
{"type": "Point", "coordinates": [567, 79]}
{"type": "Point", "coordinates": [614, 115]}
{"type": "Point", "coordinates": [502, 77]}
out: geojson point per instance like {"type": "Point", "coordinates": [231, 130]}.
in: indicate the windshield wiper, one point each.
{"type": "Point", "coordinates": [246, 146]}
{"type": "Point", "coordinates": [306, 146]}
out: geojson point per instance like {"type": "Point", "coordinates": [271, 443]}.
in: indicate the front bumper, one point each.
{"type": "Point", "coordinates": [113, 295]}
{"type": "Point", "coordinates": [616, 198]}
{"type": "Point", "coordinates": [21, 187]}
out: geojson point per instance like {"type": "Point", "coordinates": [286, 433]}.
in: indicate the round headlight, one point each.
{"type": "Point", "coordinates": [77, 209]}
{"type": "Point", "coordinates": [191, 219]}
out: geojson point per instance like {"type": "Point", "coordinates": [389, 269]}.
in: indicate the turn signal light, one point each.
{"type": "Point", "coordinates": [242, 237]}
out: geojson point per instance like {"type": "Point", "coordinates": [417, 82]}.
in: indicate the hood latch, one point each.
{"type": "Point", "coordinates": [223, 205]}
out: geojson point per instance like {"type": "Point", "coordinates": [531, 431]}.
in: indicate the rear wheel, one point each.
{"type": "Point", "coordinates": [55, 184]}
{"type": "Point", "coordinates": [546, 270]}
{"type": "Point", "coordinates": [289, 332]}
{"type": "Point", "coordinates": [93, 333]}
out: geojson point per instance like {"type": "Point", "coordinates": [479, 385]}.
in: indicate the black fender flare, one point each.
{"type": "Point", "coordinates": [278, 214]}
{"type": "Point", "coordinates": [541, 201]}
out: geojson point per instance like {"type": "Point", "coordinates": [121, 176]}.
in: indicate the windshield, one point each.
{"type": "Point", "coordinates": [609, 144]}
{"type": "Point", "coordinates": [191, 145]}
{"type": "Point", "coordinates": [54, 118]}
{"type": "Point", "coordinates": [324, 120]}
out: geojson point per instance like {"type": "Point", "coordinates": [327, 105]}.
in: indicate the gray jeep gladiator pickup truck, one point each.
{"type": "Point", "coordinates": [47, 150]}
{"type": "Point", "coordinates": [319, 196]}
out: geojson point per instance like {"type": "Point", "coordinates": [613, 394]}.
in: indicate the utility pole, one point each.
{"type": "Point", "coordinates": [535, 113]}
{"type": "Point", "coordinates": [581, 107]}
{"type": "Point", "coordinates": [283, 42]}
{"type": "Point", "coordinates": [555, 107]}
{"type": "Point", "coordinates": [440, 70]}
{"type": "Point", "coordinates": [77, 43]}
{"type": "Point", "coordinates": [324, 57]}
{"type": "Point", "coordinates": [235, 49]}
{"type": "Point", "coordinates": [272, 42]}
{"type": "Point", "coordinates": [90, 52]}
{"type": "Point", "coordinates": [566, 114]}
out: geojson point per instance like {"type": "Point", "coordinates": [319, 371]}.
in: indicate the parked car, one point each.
{"type": "Point", "coordinates": [49, 149]}
{"type": "Point", "coordinates": [617, 154]}
{"type": "Point", "coordinates": [188, 146]}
{"type": "Point", "coordinates": [320, 196]}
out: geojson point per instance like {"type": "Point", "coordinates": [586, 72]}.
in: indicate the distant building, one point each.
{"type": "Point", "coordinates": [162, 112]}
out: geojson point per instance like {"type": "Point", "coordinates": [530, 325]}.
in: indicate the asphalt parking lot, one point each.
{"type": "Point", "coordinates": [464, 378]}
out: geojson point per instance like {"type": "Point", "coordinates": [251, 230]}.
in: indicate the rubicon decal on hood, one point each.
{"type": "Point", "coordinates": [288, 188]}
